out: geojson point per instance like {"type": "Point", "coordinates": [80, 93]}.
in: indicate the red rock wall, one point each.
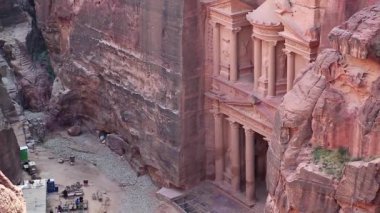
{"type": "Point", "coordinates": [9, 148]}
{"type": "Point", "coordinates": [334, 13]}
{"type": "Point", "coordinates": [11, 199]}
{"type": "Point", "coordinates": [132, 67]}
{"type": "Point", "coordinates": [192, 96]}
{"type": "Point", "coordinates": [333, 104]}
{"type": "Point", "coordinates": [319, 112]}
{"type": "Point", "coordinates": [9, 155]}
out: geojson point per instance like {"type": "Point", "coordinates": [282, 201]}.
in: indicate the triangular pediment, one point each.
{"type": "Point", "coordinates": [231, 6]}
{"type": "Point", "coordinates": [293, 30]}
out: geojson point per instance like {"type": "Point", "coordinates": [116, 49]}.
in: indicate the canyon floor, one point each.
{"type": "Point", "coordinates": [106, 172]}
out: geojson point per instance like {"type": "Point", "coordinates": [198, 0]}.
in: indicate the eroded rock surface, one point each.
{"type": "Point", "coordinates": [9, 152]}
{"type": "Point", "coordinates": [10, 13]}
{"type": "Point", "coordinates": [333, 105]}
{"type": "Point", "coordinates": [11, 199]}
{"type": "Point", "coordinates": [131, 68]}
{"type": "Point", "coordinates": [9, 148]}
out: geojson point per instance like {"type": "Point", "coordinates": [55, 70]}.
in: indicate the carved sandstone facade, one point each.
{"type": "Point", "coordinates": [255, 58]}
{"type": "Point", "coordinates": [251, 72]}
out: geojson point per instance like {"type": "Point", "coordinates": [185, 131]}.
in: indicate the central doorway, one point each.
{"type": "Point", "coordinates": [261, 148]}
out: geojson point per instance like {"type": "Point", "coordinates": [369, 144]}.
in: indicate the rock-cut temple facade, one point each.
{"type": "Point", "coordinates": [257, 55]}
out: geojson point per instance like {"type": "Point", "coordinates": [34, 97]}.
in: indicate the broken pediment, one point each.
{"type": "Point", "coordinates": [231, 7]}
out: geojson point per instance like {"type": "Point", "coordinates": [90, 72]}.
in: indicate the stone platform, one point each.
{"type": "Point", "coordinates": [208, 197]}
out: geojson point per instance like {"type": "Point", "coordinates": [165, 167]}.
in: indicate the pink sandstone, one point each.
{"type": "Point", "coordinates": [11, 200]}
{"type": "Point", "coordinates": [143, 80]}
{"type": "Point", "coordinates": [333, 104]}
{"type": "Point", "coordinates": [130, 68]}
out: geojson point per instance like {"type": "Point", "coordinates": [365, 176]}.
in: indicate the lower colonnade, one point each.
{"type": "Point", "coordinates": [235, 156]}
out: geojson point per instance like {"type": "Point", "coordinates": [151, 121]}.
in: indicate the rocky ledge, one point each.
{"type": "Point", "coordinates": [322, 156]}
{"type": "Point", "coordinates": [11, 198]}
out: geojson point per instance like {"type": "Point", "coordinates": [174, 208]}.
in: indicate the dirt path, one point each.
{"type": "Point", "coordinates": [106, 172]}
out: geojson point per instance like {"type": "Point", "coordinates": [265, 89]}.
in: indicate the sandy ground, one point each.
{"type": "Point", "coordinates": [105, 170]}
{"type": "Point", "coordinates": [64, 175]}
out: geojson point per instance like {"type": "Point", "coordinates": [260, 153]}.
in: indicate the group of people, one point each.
{"type": "Point", "coordinates": [78, 203]}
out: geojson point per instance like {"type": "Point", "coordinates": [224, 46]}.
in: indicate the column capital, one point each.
{"type": "Point", "coordinates": [232, 122]}
{"type": "Point", "coordinates": [256, 39]}
{"type": "Point", "coordinates": [213, 23]}
{"type": "Point", "coordinates": [272, 43]}
{"type": "Point", "coordinates": [217, 114]}
{"type": "Point", "coordinates": [234, 29]}
{"type": "Point", "coordinates": [248, 129]}
{"type": "Point", "coordinates": [287, 51]}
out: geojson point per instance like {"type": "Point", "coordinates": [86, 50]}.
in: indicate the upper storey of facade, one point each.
{"type": "Point", "coordinates": [258, 52]}
{"type": "Point", "coordinates": [265, 46]}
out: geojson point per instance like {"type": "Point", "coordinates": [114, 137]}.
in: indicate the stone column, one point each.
{"type": "Point", "coordinates": [216, 48]}
{"type": "Point", "coordinates": [249, 165]}
{"type": "Point", "coordinates": [290, 70]}
{"type": "Point", "coordinates": [235, 156]}
{"type": "Point", "coordinates": [234, 67]}
{"type": "Point", "coordinates": [219, 157]}
{"type": "Point", "coordinates": [257, 62]}
{"type": "Point", "coordinates": [272, 69]}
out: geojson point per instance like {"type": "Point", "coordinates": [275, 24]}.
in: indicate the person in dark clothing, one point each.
{"type": "Point", "coordinates": [65, 194]}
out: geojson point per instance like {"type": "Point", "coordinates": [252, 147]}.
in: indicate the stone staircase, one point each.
{"type": "Point", "coordinates": [24, 64]}
{"type": "Point", "coordinates": [21, 64]}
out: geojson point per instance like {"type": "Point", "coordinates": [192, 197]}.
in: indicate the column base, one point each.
{"type": "Point", "coordinates": [225, 74]}
{"type": "Point", "coordinates": [240, 197]}
{"type": "Point", "coordinates": [281, 87]}
{"type": "Point", "coordinates": [263, 86]}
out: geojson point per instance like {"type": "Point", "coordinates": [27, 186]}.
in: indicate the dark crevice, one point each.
{"type": "Point", "coordinates": [35, 42]}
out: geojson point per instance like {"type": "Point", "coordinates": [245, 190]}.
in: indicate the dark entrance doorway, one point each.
{"type": "Point", "coordinates": [261, 148]}
{"type": "Point", "coordinates": [260, 167]}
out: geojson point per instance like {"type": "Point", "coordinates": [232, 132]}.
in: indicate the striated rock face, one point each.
{"type": "Point", "coordinates": [333, 104]}
{"type": "Point", "coordinates": [336, 12]}
{"type": "Point", "coordinates": [11, 199]}
{"type": "Point", "coordinates": [9, 148]}
{"type": "Point", "coordinates": [9, 152]}
{"type": "Point", "coordinates": [10, 13]}
{"type": "Point", "coordinates": [132, 68]}
{"type": "Point", "coordinates": [360, 186]}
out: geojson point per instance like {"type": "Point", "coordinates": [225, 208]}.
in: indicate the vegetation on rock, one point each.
{"type": "Point", "coordinates": [331, 161]}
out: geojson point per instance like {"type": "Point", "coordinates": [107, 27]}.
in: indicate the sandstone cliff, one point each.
{"type": "Point", "coordinates": [9, 152]}
{"type": "Point", "coordinates": [334, 105]}
{"type": "Point", "coordinates": [132, 68]}
{"type": "Point", "coordinates": [10, 13]}
{"type": "Point", "coordinates": [9, 148]}
{"type": "Point", "coordinates": [11, 199]}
